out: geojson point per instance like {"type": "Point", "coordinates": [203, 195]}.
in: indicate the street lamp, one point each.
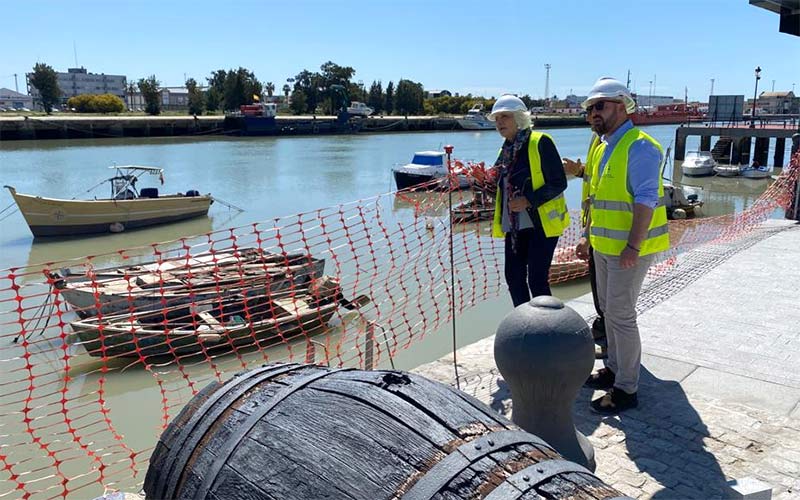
{"type": "Point", "coordinates": [755, 94]}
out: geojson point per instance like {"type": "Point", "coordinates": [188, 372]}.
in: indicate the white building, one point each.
{"type": "Point", "coordinates": [10, 99]}
{"type": "Point", "coordinates": [77, 81]}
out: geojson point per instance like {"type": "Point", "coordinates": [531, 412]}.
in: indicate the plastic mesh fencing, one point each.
{"type": "Point", "coordinates": [98, 354]}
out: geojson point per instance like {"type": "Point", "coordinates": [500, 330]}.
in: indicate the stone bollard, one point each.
{"type": "Point", "coordinates": [545, 353]}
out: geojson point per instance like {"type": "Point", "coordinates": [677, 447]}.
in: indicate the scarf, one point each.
{"type": "Point", "coordinates": [510, 175]}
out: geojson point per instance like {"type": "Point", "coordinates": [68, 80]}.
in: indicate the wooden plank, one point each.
{"type": "Point", "coordinates": [307, 430]}
{"type": "Point", "coordinates": [412, 414]}
{"type": "Point", "coordinates": [273, 476]}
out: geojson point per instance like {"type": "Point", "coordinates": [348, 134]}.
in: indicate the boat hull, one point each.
{"type": "Point", "coordinates": [696, 171]}
{"type": "Point", "coordinates": [406, 180]}
{"type": "Point", "coordinates": [132, 340]}
{"type": "Point", "coordinates": [57, 217]}
{"type": "Point", "coordinates": [475, 125]}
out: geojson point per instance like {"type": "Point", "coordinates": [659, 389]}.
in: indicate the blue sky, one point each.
{"type": "Point", "coordinates": [486, 48]}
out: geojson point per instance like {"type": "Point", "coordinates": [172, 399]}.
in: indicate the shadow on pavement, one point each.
{"type": "Point", "coordinates": [663, 437]}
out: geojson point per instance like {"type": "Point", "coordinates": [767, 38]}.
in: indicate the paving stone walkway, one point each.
{"type": "Point", "coordinates": [719, 397]}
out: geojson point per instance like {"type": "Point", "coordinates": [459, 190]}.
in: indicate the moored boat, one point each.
{"type": "Point", "coordinates": [216, 325]}
{"type": "Point", "coordinates": [426, 167]}
{"type": "Point", "coordinates": [698, 163]}
{"type": "Point", "coordinates": [126, 208]}
{"type": "Point", "coordinates": [723, 170]}
{"type": "Point", "coordinates": [475, 119]}
{"type": "Point", "coordinates": [153, 285]}
{"type": "Point", "coordinates": [757, 172]}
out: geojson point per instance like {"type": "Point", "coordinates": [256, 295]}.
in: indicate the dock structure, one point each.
{"type": "Point", "coordinates": [735, 142]}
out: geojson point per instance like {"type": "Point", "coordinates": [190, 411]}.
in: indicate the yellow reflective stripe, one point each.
{"type": "Point", "coordinates": [622, 235]}
{"type": "Point", "coordinates": [621, 206]}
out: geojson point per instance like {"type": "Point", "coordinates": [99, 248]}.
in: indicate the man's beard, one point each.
{"type": "Point", "coordinates": [600, 127]}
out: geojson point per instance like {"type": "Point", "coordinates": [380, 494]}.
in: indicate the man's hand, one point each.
{"type": "Point", "coordinates": [628, 257]}
{"type": "Point", "coordinates": [518, 204]}
{"type": "Point", "coordinates": [573, 167]}
{"type": "Point", "coordinates": [582, 249]}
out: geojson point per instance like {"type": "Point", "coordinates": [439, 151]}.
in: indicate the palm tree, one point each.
{"type": "Point", "coordinates": [270, 88]}
{"type": "Point", "coordinates": [286, 90]}
{"type": "Point", "coordinates": [131, 91]}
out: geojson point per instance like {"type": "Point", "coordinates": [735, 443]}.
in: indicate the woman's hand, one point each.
{"type": "Point", "coordinates": [518, 204]}
{"type": "Point", "coordinates": [573, 167]}
{"type": "Point", "coordinates": [582, 249]}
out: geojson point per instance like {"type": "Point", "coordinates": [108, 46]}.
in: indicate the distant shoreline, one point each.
{"type": "Point", "coordinates": [70, 126]}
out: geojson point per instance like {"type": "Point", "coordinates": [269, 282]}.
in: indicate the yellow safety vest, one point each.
{"type": "Point", "coordinates": [553, 213]}
{"type": "Point", "coordinates": [589, 170]}
{"type": "Point", "coordinates": [611, 204]}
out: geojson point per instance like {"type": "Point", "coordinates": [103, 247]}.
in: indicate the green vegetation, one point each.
{"type": "Point", "coordinates": [152, 95]}
{"type": "Point", "coordinates": [230, 89]}
{"type": "Point", "coordinates": [96, 103]}
{"type": "Point", "coordinates": [196, 98]}
{"type": "Point", "coordinates": [45, 80]}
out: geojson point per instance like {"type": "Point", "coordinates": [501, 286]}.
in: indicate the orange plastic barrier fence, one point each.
{"type": "Point", "coordinates": [98, 354]}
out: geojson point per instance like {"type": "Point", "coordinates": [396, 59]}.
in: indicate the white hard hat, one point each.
{"type": "Point", "coordinates": [610, 88]}
{"type": "Point", "coordinates": [507, 102]}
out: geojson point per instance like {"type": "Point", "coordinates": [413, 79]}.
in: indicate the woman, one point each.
{"type": "Point", "coordinates": [530, 210]}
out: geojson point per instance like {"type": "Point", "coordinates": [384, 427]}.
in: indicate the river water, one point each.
{"type": "Point", "coordinates": [269, 177]}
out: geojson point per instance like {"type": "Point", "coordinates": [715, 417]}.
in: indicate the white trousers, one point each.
{"type": "Point", "coordinates": [617, 290]}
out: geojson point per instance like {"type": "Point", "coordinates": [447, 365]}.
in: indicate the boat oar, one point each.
{"type": "Point", "coordinates": [229, 205]}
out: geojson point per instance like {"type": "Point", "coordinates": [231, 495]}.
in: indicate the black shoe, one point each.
{"type": "Point", "coordinates": [602, 379]}
{"type": "Point", "coordinates": [614, 402]}
{"type": "Point", "coordinates": [599, 328]}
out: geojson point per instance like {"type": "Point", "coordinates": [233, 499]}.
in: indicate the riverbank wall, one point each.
{"type": "Point", "coordinates": [98, 127]}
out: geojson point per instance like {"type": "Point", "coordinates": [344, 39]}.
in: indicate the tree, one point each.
{"type": "Point", "coordinates": [131, 89]}
{"type": "Point", "coordinates": [298, 102]}
{"type": "Point", "coordinates": [286, 89]}
{"type": "Point", "coordinates": [216, 89]}
{"type": "Point", "coordinates": [270, 88]}
{"type": "Point", "coordinates": [375, 98]}
{"type": "Point", "coordinates": [196, 98]}
{"type": "Point", "coordinates": [389, 98]}
{"type": "Point", "coordinates": [239, 88]}
{"type": "Point", "coordinates": [152, 94]}
{"type": "Point", "coordinates": [92, 103]}
{"type": "Point", "coordinates": [409, 97]}
{"type": "Point", "coordinates": [45, 80]}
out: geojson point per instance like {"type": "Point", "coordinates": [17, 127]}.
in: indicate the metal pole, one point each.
{"type": "Point", "coordinates": [755, 94]}
{"type": "Point", "coordinates": [449, 150]}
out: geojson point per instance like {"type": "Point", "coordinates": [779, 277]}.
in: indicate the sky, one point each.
{"type": "Point", "coordinates": [481, 47]}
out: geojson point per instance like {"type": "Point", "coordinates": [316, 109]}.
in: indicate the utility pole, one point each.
{"type": "Point", "coordinates": [712, 88]}
{"type": "Point", "coordinates": [547, 86]}
{"type": "Point", "coordinates": [628, 83]}
{"type": "Point", "coordinates": [16, 85]}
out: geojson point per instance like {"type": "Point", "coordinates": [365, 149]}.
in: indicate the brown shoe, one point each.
{"type": "Point", "coordinates": [614, 402]}
{"type": "Point", "coordinates": [602, 379]}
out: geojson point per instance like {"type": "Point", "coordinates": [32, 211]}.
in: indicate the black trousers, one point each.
{"type": "Point", "coordinates": [593, 282]}
{"type": "Point", "coordinates": [527, 266]}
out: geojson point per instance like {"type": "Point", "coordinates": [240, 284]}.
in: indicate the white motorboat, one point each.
{"type": "Point", "coordinates": [759, 172]}
{"type": "Point", "coordinates": [728, 170]}
{"type": "Point", "coordinates": [698, 163]}
{"type": "Point", "coordinates": [475, 119]}
{"type": "Point", "coordinates": [427, 166]}
{"type": "Point", "coordinates": [679, 203]}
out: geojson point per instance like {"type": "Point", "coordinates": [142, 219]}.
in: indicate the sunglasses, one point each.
{"type": "Point", "coordinates": [599, 106]}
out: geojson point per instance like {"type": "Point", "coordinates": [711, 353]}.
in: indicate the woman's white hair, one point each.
{"type": "Point", "coordinates": [522, 119]}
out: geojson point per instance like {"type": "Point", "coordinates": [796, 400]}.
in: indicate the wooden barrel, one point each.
{"type": "Point", "coordinates": [287, 431]}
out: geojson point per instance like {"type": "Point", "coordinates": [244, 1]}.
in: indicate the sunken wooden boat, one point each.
{"type": "Point", "coordinates": [181, 280]}
{"type": "Point", "coordinates": [126, 208]}
{"type": "Point", "coordinates": [211, 326]}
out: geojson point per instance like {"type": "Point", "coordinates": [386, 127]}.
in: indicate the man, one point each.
{"type": "Point", "coordinates": [626, 227]}
{"type": "Point", "coordinates": [585, 172]}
